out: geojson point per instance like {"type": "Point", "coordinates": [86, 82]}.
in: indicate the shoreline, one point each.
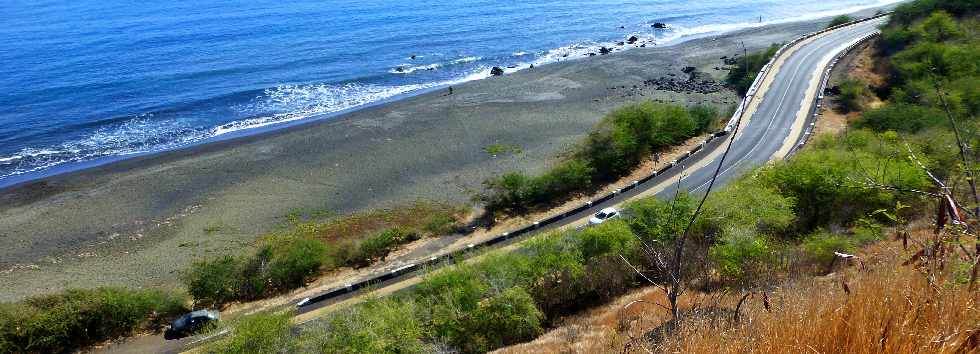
{"type": "Point", "coordinates": [20, 180]}
{"type": "Point", "coordinates": [138, 221]}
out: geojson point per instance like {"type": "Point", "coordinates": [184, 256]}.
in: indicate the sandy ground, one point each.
{"type": "Point", "coordinates": [138, 222]}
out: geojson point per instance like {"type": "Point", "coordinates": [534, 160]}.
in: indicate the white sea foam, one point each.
{"type": "Point", "coordinates": [137, 135]}
{"type": "Point", "coordinates": [300, 102]}
{"type": "Point", "coordinates": [296, 102]}
{"type": "Point", "coordinates": [408, 68]}
{"type": "Point", "coordinates": [680, 32]}
{"type": "Point", "coordinates": [465, 60]}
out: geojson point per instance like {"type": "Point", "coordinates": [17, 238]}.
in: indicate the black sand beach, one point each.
{"type": "Point", "coordinates": [138, 222]}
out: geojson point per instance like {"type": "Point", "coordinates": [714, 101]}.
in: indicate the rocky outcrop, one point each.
{"type": "Point", "coordinates": [659, 25]}
{"type": "Point", "coordinates": [684, 86]}
{"type": "Point", "coordinates": [496, 71]}
{"type": "Point", "coordinates": [632, 39]}
{"type": "Point", "coordinates": [604, 50]}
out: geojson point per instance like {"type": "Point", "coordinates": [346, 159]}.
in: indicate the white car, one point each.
{"type": "Point", "coordinates": [603, 215]}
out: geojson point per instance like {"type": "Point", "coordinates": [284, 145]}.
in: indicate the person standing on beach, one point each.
{"type": "Point", "coordinates": [450, 90]}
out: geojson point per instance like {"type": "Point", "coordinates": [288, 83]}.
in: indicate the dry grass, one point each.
{"type": "Point", "coordinates": [886, 308]}
{"type": "Point", "coordinates": [423, 216]}
{"type": "Point", "coordinates": [883, 308]}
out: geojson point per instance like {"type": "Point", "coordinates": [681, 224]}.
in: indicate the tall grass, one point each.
{"type": "Point", "coordinates": [889, 308]}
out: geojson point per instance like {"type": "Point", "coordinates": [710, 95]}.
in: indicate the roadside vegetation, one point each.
{"type": "Point", "coordinates": [624, 139]}
{"type": "Point", "coordinates": [759, 235]}
{"type": "Point", "coordinates": [73, 319]}
{"type": "Point", "coordinates": [779, 224]}
{"type": "Point", "coordinates": [746, 68]}
{"type": "Point", "coordinates": [839, 20]}
{"type": "Point", "coordinates": [289, 258]}
{"type": "Point", "coordinates": [882, 251]}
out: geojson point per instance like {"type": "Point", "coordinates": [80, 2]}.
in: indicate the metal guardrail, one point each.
{"type": "Point", "coordinates": [451, 256]}
{"type": "Point", "coordinates": [818, 100]}
{"type": "Point", "coordinates": [750, 93]}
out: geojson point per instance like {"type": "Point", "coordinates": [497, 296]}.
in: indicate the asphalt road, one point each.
{"type": "Point", "coordinates": [767, 133]}
{"type": "Point", "coordinates": [775, 124]}
{"type": "Point", "coordinates": [771, 125]}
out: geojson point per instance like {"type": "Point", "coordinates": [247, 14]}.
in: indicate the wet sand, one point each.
{"type": "Point", "coordinates": [138, 222]}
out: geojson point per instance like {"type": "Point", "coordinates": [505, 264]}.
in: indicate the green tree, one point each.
{"type": "Point", "coordinates": [839, 20]}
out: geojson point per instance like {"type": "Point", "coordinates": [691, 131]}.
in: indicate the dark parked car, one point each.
{"type": "Point", "coordinates": [190, 323]}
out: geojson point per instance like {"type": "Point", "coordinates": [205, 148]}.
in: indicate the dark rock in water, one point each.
{"type": "Point", "coordinates": [565, 55]}
{"type": "Point", "coordinates": [620, 43]}
{"type": "Point", "coordinates": [401, 70]}
{"type": "Point", "coordinates": [604, 51]}
{"type": "Point", "coordinates": [591, 54]}
{"type": "Point", "coordinates": [688, 69]}
{"type": "Point", "coordinates": [622, 27]}
{"type": "Point", "coordinates": [644, 45]}
{"type": "Point", "coordinates": [724, 57]}
{"type": "Point", "coordinates": [496, 71]}
{"type": "Point", "coordinates": [511, 66]}
{"type": "Point", "coordinates": [632, 39]}
{"type": "Point", "coordinates": [413, 57]}
{"type": "Point", "coordinates": [659, 25]}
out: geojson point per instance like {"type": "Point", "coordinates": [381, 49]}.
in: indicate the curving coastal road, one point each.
{"type": "Point", "coordinates": [773, 123]}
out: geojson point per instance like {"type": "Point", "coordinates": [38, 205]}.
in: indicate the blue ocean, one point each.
{"type": "Point", "coordinates": [84, 81]}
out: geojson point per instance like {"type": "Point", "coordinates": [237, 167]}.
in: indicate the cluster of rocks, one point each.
{"type": "Point", "coordinates": [684, 86]}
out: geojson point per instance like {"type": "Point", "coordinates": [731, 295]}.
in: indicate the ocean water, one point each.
{"type": "Point", "coordinates": [89, 81]}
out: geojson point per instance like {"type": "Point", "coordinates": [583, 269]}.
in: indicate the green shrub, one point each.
{"type": "Point", "coordinates": [820, 246]}
{"type": "Point", "coordinates": [902, 117]}
{"type": "Point", "coordinates": [379, 326]}
{"type": "Point", "coordinates": [214, 281]}
{"type": "Point", "coordinates": [739, 253]}
{"type": "Point", "coordinates": [289, 258]}
{"type": "Point", "coordinates": [622, 140]}
{"type": "Point", "coordinates": [747, 68]}
{"type": "Point", "coordinates": [853, 93]}
{"type": "Point", "coordinates": [260, 333]}
{"type": "Point", "coordinates": [77, 318]}
{"type": "Point", "coordinates": [504, 319]}
{"type": "Point", "coordinates": [296, 263]}
{"type": "Point", "coordinates": [609, 238]}
{"type": "Point", "coordinates": [908, 12]}
{"type": "Point", "coordinates": [747, 203]}
{"type": "Point", "coordinates": [380, 244]}
{"type": "Point", "coordinates": [656, 220]}
{"type": "Point", "coordinates": [705, 117]}
{"type": "Point", "coordinates": [839, 20]}
{"type": "Point", "coordinates": [836, 176]}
